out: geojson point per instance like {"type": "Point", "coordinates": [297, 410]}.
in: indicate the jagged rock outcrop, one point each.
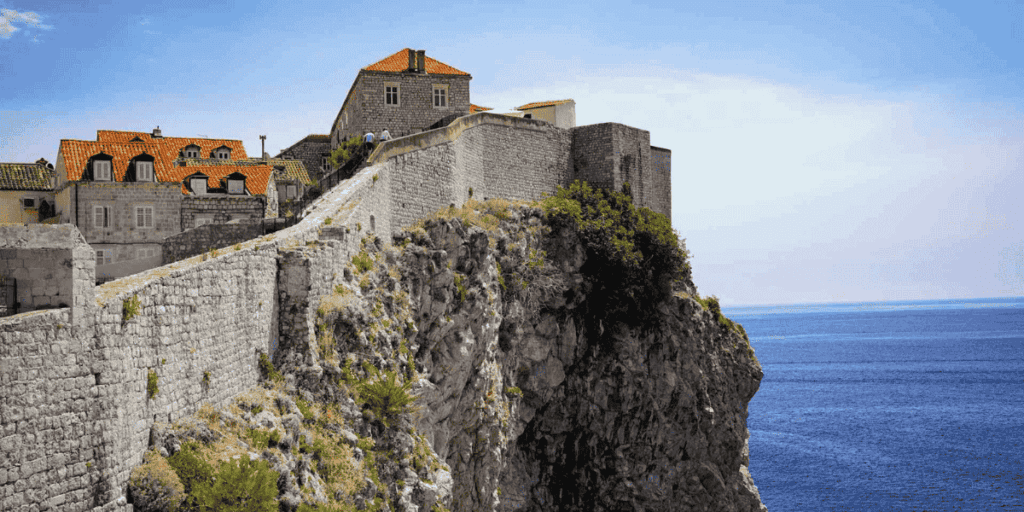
{"type": "Point", "coordinates": [536, 402]}
{"type": "Point", "coordinates": [534, 389]}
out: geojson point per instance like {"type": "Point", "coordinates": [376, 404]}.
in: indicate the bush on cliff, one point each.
{"type": "Point", "coordinates": [245, 486]}
{"type": "Point", "coordinates": [385, 396]}
{"type": "Point", "coordinates": [154, 486]}
{"type": "Point", "coordinates": [633, 254]}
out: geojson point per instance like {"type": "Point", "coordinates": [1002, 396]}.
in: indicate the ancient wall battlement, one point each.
{"type": "Point", "coordinates": [75, 416]}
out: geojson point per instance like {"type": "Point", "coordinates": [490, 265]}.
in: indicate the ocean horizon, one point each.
{"type": "Point", "coordinates": [901, 405]}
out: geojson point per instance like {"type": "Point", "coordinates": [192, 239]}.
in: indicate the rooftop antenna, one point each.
{"type": "Point", "coordinates": [263, 149]}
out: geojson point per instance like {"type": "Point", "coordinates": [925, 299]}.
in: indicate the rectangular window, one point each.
{"type": "Point", "coordinates": [440, 96]}
{"type": "Point", "coordinates": [391, 95]}
{"type": "Point", "coordinates": [101, 170]}
{"type": "Point", "coordinates": [143, 216]}
{"type": "Point", "coordinates": [143, 171]}
{"type": "Point", "coordinates": [235, 186]}
{"type": "Point", "coordinates": [104, 256]}
{"type": "Point", "coordinates": [146, 252]}
{"type": "Point", "coordinates": [203, 220]}
{"type": "Point", "coordinates": [101, 216]}
{"type": "Point", "coordinates": [199, 185]}
{"type": "Point", "coordinates": [29, 202]}
{"type": "Point", "coordinates": [291, 191]}
{"type": "Point", "coordinates": [325, 163]}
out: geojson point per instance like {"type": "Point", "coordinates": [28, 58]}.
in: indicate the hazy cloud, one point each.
{"type": "Point", "coordinates": [8, 17]}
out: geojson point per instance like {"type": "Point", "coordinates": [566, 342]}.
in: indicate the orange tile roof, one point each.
{"type": "Point", "coordinates": [118, 144]}
{"type": "Point", "coordinates": [473, 109]}
{"type": "Point", "coordinates": [538, 104]}
{"type": "Point", "coordinates": [399, 62]}
{"type": "Point", "coordinates": [257, 176]}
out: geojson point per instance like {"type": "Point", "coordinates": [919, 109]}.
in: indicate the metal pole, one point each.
{"type": "Point", "coordinates": [263, 149]}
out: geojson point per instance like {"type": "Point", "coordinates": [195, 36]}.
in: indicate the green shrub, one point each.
{"type": "Point", "coordinates": [130, 308]}
{"type": "Point", "coordinates": [327, 221]}
{"type": "Point", "coordinates": [386, 397]}
{"type": "Point", "coordinates": [263, 439]}
{"type": "Point", "coordinates": [362, 261]}
{"type": "Point", "coordinates": [267, 369]}
{"type": "Point", "coordinates": [206, 379]}
{"type": "Point", "coordinates": [633, 255]}
{"type": "Point", "coordinates": [305, 409]}
{"type": "Point", "coordinates": [154, 485]}
{"type": "Point", "coordinates": [190, 466]}
{"type": "Point", "coordinates": [345, 151]}
{"type": "Point", "coordinates": [151, 387]}
{"type": "Point", "coordinates": [460, 287]}
{"type": "Point", "coordinates": [514, 391]}
{"type": "Point", "coordinates": [248, 486]}
{"type": "Point", "coordinates": [501, 278]}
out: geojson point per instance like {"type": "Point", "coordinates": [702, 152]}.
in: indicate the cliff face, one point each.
{"type": "Point", "coordinates": [531, 395]}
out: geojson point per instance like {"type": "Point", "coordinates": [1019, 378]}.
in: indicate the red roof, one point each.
{"type": "Point", "coordinates": [399, 62]}
{"type": "Point", "coordinates": [165, 151]}
{"type": "Point", "coordinates": [538, 104]}
{"type": "Point", "coordinates": [473, 109]}
{"type": "Point", "coordinates": [257, 176]}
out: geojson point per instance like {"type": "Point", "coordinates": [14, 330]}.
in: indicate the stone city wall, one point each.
{"type": "Point", "coordinates": [76, 417]}
{"type": "Point", "coordinates": [209, 236]}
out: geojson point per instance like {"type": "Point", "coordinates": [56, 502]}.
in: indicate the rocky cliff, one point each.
{"type": "Point", "coordinates": [546, 376]}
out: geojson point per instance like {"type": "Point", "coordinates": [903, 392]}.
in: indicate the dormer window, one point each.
{"type": "Point", "coordinates": [199, 185]}
{"type": "Point", "coordinates": [236, 183]}
{"type": "Point", "coordinates": [143, 171]}
{"type": "Point", "coordinates": [101, 170]}
{"type": "Point", "coordinates": [191, 151]}
{"type": "Point", "coordinates": [222, 152]}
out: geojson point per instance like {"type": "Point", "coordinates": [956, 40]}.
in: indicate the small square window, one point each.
{"type": "Point", "coordinates": [104, 256]}
{"type": "Point", "coordinates": [291, 192]}
{"type": "Point", "coordinates": [101, 216]}
{"type": "Point", "coordinates": [143, 216]}
{"type": "Point", "coordinates": [29, 202]}
{"type": "Point", "coordinates": [101, 170]}
{"type": "Point", "coordinates": [143, 171]}
{"type": "Point", "coordinates": [440, 96]}
{"type": "Point", "coordinates": [235, 186]}
{"type": "Point", "coordinates": [391, 95]}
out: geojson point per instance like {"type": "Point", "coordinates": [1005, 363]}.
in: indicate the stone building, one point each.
{"type": "Point", "coordinates": [561, 113]}
{"type": "Point", "coordinates": [128, 191]}
{"type": "Point", "coordinates": [314, 151]}
{"type": "Point", "coordinates": [26, 192]}
{"type": "Point", "coordinates": [405, 93]}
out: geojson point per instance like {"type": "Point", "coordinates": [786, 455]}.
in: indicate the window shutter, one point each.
{"type": "Point", "coordinates": [149, 217]}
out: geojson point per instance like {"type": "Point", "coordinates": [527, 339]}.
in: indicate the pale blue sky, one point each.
{"type": "Point", "coordinates": [828, 152]}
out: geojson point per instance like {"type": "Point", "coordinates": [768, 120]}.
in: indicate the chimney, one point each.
{"type": "Point", "coordinates": [421, 60]}
{"type": "Point", "coordinates": [157, 134]}
{"type": "Point", "coordinates": [412, 60]}
{"type": "Point", "coordinates": [41, 161]}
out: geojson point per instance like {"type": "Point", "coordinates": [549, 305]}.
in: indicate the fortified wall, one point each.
{"type": "Point", "coordinates": [75, 414]}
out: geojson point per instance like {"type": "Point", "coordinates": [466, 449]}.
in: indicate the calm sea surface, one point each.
{"type": "Point", "coordinates": [888, 406]}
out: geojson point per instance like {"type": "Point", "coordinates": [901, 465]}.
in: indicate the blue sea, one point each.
{"type": "Point", "coordinates": [907, 406]}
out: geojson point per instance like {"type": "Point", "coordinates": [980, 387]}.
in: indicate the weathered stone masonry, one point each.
{"type": "Point", "coordinates": [75, 416]}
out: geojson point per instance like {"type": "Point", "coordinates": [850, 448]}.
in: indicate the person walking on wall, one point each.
{"type": "Point", "coordinates": [385, 135]}
{"type": "Point", "coordinates": [369, 137]}
{"type": "Point", "coordinates": [368, 143]}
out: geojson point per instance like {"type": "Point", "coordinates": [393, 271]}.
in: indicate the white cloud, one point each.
{"type": "Point", "coordinates": [8, 17]}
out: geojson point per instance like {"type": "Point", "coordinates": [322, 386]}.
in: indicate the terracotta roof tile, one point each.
{"type": "Point", "coordinates": [293, 169]}
{"type": "Point", "coordinates": [538, 104]}
{"type": "Point", "coordinates": [399, 62]}
{"type": "Point", "coordinates": [473, 109]}
{"type": "Point", "coordinates": [258, 175]}
{"type": "Point", "coordinates": [117, 144]}
{"type": "Point", "coordinates": [15, 176]}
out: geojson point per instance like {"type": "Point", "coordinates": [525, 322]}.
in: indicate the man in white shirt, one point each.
{"type": "Point", "coordinates": [369, 137]}
{"type": "Point", "coordinates": [385, 136]}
